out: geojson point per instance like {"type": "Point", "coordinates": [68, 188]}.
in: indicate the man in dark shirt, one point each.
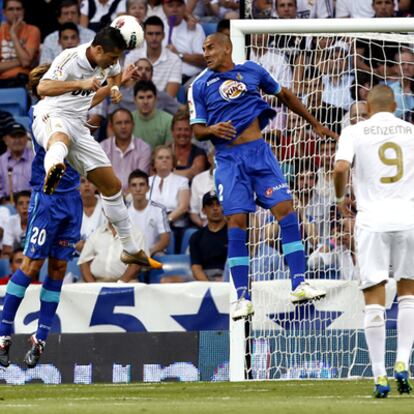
{"type": "Point", "coordinates": [208, 246]}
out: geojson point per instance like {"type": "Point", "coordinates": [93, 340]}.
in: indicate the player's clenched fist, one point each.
{"type": "Point", "coordinates": [90, 84]}
{"type": "Point", "coordinates": [115, 95]}
{"type": "Point", "coordinates": [224, 130]}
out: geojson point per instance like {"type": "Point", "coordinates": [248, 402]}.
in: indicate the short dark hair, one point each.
{"type": "Point", "coordinates": [68, 26]}
{"type": "Point", "coordinates": [127, 111]}
{"type": "Point", "coordinates": [67, 3]}
{"type": "Point", "coordinates": [5, 2]}
{"type": "Point", "coordinates": [15, 251]}
{"type": "Point", "coordinates": [295, 1]}
{"type": "Point", "coordinates": [153, 21]}
{"type": "Point", "coordinates": [223, 24]}
{"type": "Point", "coordinates": [145, 85]}
{"type": "Point", "coordinates": [138, 174]}
{"type": "Point", "coordinates": [23, 193]}
{"type": "Point", "coordinates": [110, 39]}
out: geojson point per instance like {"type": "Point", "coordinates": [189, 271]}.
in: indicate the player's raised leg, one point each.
{"type": "Point", "coordinates": [110, 188]}
{"type": "Point", "coordinates": [294, 253]}
{"type": "Point", "coordinates": [405, 334]}
{"type": "Point", "coordinates": [54, 161]}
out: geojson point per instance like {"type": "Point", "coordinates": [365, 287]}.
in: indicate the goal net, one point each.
{"type": "Point", "coordinates": [331, 73]}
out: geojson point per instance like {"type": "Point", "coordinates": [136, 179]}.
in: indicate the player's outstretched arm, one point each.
{"type": "Point", "coordinates": [50, 87]}
{"type": "Point", "coordinates": [224, 130]}
{"type": "Point", "coordinates": [293, 103]}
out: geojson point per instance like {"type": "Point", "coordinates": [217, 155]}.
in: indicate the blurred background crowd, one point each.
{"type": "Point", "coordinates": [167, 176]}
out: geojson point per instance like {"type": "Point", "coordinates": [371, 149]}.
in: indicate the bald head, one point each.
{"type": "Point", "coordinates": [221, 38]}
{"type": "Point", "coordinates": [381, 99]}
{"type": "Point", "coordinates": [217, 50]}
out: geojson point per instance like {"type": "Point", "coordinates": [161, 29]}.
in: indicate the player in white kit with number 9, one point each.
{"type": "Point", "coordinates": [381, 150]}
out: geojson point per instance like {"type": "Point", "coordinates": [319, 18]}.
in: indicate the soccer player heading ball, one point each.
{"type": "Point", "coordinates": [226, 107]}
{"type": "Point", "coordinates": [70, 87]}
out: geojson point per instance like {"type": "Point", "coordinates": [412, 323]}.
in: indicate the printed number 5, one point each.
{"type": "Point", "coordinates": [38, 237]}
{"type": "Point", "coordinates": [395, 161]}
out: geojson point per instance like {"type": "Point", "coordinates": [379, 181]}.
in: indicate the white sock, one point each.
{"type": "Point", "coordinates": [405, 327]}
{"type": "Point", "coordinates": [374, 325]}
{"type": "Point", "coordinates": [117, 214]}
{"type": "Point", "coordinates": [56, 154]}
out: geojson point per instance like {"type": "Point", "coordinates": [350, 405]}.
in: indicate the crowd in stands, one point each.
{"type": "Point", "coordinates": [167, 176]}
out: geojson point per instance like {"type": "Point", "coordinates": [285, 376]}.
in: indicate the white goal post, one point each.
{"type": "Point", "coordinates": [330, 342]}
{"type": "Point", "coordinates": [240, 28]}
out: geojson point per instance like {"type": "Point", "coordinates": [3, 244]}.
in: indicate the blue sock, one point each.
{"type": "Point", "coordinates": [239, 261]}
{"type": "Point", "coordinates": [49, 301]}
{"type": "Point", "coordinates": [15, 291]}
{"type": "Point", "coordinates": [293, 249]}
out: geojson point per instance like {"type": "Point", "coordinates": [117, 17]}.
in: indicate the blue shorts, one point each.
{"type": "Point", "coordinates": [249, 174]}
{"type": "Point", "coordinates": [54, 225]}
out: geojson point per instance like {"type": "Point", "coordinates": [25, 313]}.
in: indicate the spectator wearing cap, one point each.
{"type": "Point", "coordinates": [68, 12]}
{"type": "Point", "coordinates": [185, 43]}
{"type": "Point", "coordinates": [16, 162]}
{"type": "Point", "coordinates": [19, 45]}
{"type": "Point", "coordinates": [167, 66]}
{"type": "Point", "coordinates": [6, 119]}
{"type": "Point", "coordinates": [208, 245]}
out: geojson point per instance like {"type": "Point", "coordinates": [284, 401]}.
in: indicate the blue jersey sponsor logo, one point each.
{"type": "Point", "coordinates": [231, 89]}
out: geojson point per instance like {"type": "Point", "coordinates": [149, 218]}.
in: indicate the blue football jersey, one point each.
{"type": "Point", "coordinates": [232, 96]}
{"type": "Point", "coordinates": [70, 180]}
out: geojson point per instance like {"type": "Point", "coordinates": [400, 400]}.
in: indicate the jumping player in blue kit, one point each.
{"type": "Point", "coordinates": [53, 230]}
{"type": "Point", "coordinates": [227, 108]}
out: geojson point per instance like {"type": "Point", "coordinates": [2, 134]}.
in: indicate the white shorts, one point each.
{"type": "Point", "coordinates": [377, 251]}
{"type": "Point", "coordinates": [85, 154]}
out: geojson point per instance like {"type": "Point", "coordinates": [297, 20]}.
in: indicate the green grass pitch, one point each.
{"type": "Point", "coordinates": [296, 397]}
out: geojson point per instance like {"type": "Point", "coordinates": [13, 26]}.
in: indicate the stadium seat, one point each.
{"type": "Point", "coordinates": [209, 28]}
{"type": "Point", "coordinates": [24, 120]}
{"type": "Point", "coordinates": [14, 100]}
{"type": "Point", "coordinates": [4, 267]}
{"type": "Point", "coordinates": [185, 243]}
{"type": "Point", "coordinates": [175, 265]}
{"type": "Point", "coordinates": [182, 95]}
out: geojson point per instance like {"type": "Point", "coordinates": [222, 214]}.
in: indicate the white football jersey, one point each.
{"type": "Point", "coordinates": [382, 150]}
{"type": "Point", "coordinates": [72, 64]}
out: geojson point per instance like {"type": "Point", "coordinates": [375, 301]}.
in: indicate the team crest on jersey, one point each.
{"type": "Point", "coordinates": [58, 73]}
{"type": "Point", "coordinates": [231, 89]}
{"type": "Point", "coordinates": [239, 76]}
